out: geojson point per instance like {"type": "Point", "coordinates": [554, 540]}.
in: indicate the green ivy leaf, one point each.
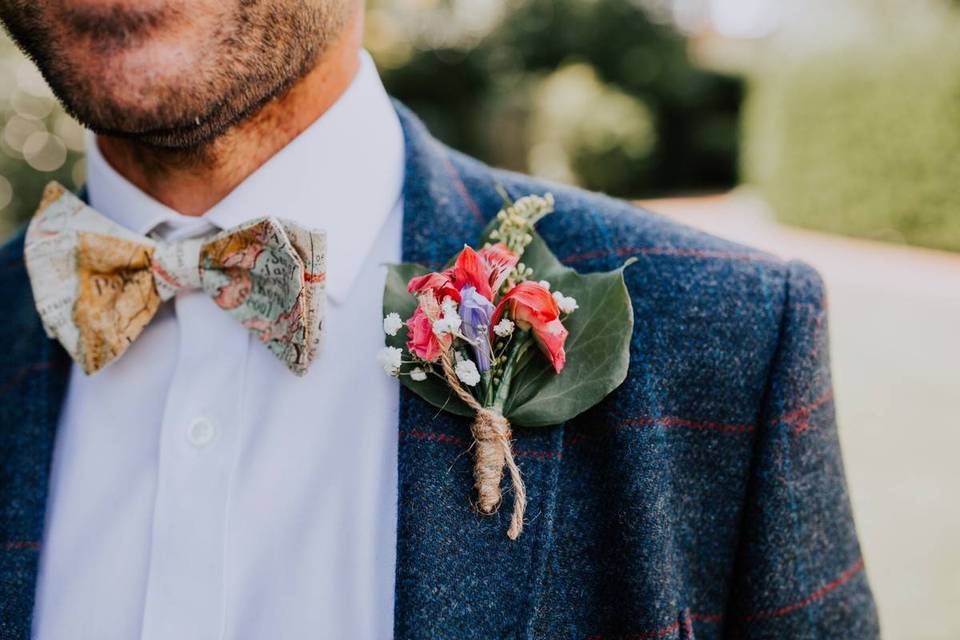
{"type": "Point", "coordinates": [598, 347]}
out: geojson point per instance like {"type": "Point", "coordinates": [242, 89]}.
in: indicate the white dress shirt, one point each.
{"type": "Point", "coordinates": [201, 490]}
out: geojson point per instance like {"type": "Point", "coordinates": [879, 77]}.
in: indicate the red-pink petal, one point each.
{"type": "Point", "coordinates": [471, 270]}
{"type": "Point", "coordinates": [421, 341]}
{"type": "Point", "coordinates": [551, 338]}
{"type": "Point", "coordinates": [440, 282]}
{"type": "Point", "coordinates": [532, 304]}
{"type": "Point", "coordinates": [500, 261]}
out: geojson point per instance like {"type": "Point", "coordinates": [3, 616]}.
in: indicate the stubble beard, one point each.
{"type": "Point", "coordinates": [251, 59]}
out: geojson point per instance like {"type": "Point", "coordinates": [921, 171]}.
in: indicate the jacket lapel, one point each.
{"type": "Point", "coordinates": [458, 576]}
{"type": "Point", "coordinates": [33, 377]}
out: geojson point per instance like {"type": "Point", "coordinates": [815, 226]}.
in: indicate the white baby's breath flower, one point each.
{"type": "Point", "coordinates": [418, 375]}
{"type": "Point", "coordinates": [392, 324]}
{"type": "Point", "coordinates": [467, 372]}
{"type": "Point", "coordinates": [565, 303]}
{"type": "Point", "coordinates": [544, 284]}
{"type": "Point", "coordinates": [390, 358]}
{"type": "Point", "coordinates": [449, 323]}
{"type": "Point", "coordinates": [449, 306]}
{"type": "Point", "coordinates": [504, 328]}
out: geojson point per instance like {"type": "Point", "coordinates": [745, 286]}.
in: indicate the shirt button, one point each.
{"type": "Point", "coordinates": [200, 432]}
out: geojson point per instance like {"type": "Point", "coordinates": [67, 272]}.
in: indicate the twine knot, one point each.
{"type": "Point", "coordinates": [491, 434]}
{"type": "Point", "coordinates": [492, 452]}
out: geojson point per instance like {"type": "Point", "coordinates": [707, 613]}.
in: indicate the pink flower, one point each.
{"type": "Point", "coordinates": [439, 282]}
{"type": "Point", "coordinates": [484, 270]}
{"type": "Point", "coordinates": [421, 340]}
{"type": "Point", "coordinates": [532, 307]}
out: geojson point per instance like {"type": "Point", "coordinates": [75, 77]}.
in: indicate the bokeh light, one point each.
{"type": "Point", "coordinates": [44, 152]}
{"type": "Point", "coordinates": [17, 130]}
{"type": "Point", "coordinates": [38, 141]}
{"type": "Point", "coordinates": [6, 193]}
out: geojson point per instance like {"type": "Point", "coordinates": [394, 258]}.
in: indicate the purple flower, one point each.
{"type": "Point", "coordinates": [476, 310]}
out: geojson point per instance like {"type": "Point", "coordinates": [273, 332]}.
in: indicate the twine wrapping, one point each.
{"type": "Point", "coordinates": [491, 442]}
{"type": "Point", "coordinates": [491, 437]}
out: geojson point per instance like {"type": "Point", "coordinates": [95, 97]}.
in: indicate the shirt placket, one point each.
{"type": "Point", "coordinates": [199, 444]}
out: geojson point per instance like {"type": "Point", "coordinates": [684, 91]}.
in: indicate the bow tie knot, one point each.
{"type": "Point", "coordinates": [97, 285]}
{"type": "Point", "coordinates": [176, 266]}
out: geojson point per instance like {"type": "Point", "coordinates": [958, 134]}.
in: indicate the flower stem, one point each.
{"type": "Point", "coordinates": [487, 382]}
{"type": "Point", "coordinates": [521, 343]}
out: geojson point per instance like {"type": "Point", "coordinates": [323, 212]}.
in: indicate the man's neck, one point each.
{"type": "Point", "coordinates": [192, 182]}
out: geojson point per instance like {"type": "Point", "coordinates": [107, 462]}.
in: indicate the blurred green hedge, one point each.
{"type": "Point", "coordinates": [601, 93]}
{"type": "Point", "coordinates": [864, 142]}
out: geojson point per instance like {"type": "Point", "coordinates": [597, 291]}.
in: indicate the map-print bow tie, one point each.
{"type": "Point", "coordinates": [97, 284]}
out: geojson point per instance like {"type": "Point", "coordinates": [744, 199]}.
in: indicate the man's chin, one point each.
{"type": "Point", "coordinates": [166, 121]}
{"type": "Point", "coordinates": [179, 138]}
{"type": "Point", "coordinates": [151, 130]}
{"type": "Point", "coordinates": [148, 121]}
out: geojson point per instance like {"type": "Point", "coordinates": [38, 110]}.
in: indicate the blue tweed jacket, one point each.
{"type": "Point", "coordinates": [705, 498]}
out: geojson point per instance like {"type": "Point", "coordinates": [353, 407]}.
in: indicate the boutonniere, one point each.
{"type": "Point", "coordinates": [506, 334]}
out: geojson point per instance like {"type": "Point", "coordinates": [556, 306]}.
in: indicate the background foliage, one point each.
{"type": "Point", "coordinates": [38, 142]}
{"type": "Point", "coordinates": [864, 140]}
{"type": "Point", "coordinates": [596, 92]}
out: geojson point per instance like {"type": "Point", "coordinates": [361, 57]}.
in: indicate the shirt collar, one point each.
{"type": "Point", "coordinates": [343, 174]}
